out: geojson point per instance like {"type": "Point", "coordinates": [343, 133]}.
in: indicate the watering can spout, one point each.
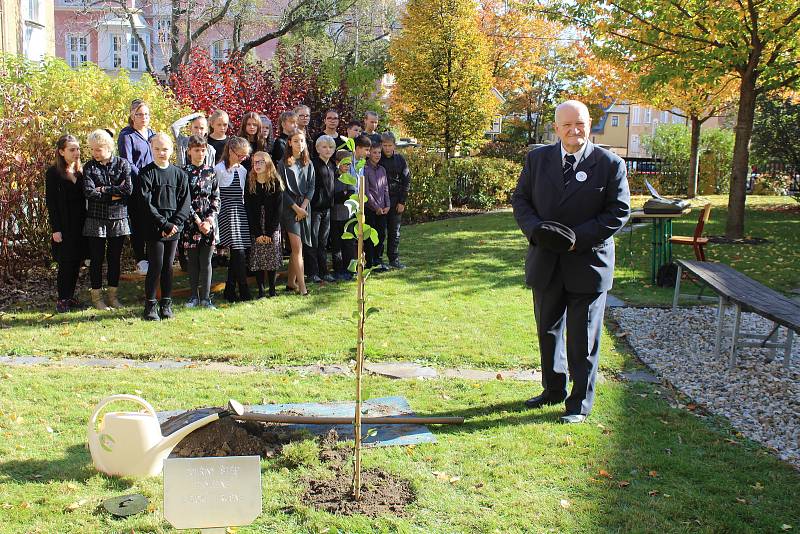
{"type": "Point", "coordinates": [169, 442]}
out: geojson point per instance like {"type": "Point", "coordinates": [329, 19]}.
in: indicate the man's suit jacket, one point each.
{"type": "Point", "coordinates": [595, 209]}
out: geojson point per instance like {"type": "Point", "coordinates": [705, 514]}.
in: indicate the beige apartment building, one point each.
{"type": "Point", "coordinates": [27, 28]}
{"type": "Point", "coordinates": [623, 127]}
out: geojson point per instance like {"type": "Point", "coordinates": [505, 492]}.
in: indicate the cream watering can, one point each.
{"type": "Point", "coordinates": [130, 443]}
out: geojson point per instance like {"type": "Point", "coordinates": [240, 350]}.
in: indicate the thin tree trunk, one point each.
{"type": "Point", "coordinates": [694, 158]}
{"type": "Point", "coordinates": [734, 228]}
{"type": "Point", "coordinates": [360, 343]}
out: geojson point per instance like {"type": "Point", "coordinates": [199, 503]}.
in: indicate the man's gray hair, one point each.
{"type": "Point", "coordinates": [371, 114]}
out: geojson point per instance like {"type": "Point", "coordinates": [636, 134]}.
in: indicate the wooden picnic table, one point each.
{"type": "Point", "coordinates": [744, 294]}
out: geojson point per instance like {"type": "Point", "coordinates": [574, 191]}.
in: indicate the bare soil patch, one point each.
{"type": "Point", "coordinates": [381, 492]}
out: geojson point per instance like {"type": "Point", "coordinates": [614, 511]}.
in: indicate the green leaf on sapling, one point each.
{"type": "Point", "coordinates": [347, 178]}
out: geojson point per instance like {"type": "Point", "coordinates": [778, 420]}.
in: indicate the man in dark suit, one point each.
{"type": "Point", "coordinates": [585, 188]}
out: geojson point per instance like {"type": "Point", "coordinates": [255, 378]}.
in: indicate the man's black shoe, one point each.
{"type": "Point", "coordinates": [542, 400]}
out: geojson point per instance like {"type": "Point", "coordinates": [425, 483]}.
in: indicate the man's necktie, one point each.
{"type": "Point", "coordinates": [569, 169]}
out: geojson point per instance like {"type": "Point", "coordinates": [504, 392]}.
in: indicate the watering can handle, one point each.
{"type": "Point", "coordinates": [113, 398]}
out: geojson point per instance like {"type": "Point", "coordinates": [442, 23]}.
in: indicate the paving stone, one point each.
{"type": "Point", "coordinates": [640, 376]}
{"type": "Point", "coordinates": [116, 363]}
{"type": "Point", "coordinates": [26, 360]}
{"type": "Point", "coordinates": [614, 302]}
{"type": "Point", "coordinates": [529, 375]}
{"type": "Point", "coordinates": [163, 364]}
{"type": "Point", "coordinates": [401, 370]}
{"type": "Point", "coordinates": [470, 374]}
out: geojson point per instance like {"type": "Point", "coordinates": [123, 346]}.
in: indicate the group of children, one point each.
{"type": "Point", "coordinates": [239, 193]}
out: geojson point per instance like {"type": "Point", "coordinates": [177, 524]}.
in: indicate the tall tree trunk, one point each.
{"type": "Point", "coordinates": [529, 123]}
{"type": "Point", "coordinates": [694, 157]}
{"type": "Point", "coordinates": [734, 228]}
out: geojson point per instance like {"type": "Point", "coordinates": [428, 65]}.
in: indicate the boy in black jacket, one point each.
{"type": "Point", "coordinates": [166, 204]}
{"type": "Point", "coordinates": [399, 177]}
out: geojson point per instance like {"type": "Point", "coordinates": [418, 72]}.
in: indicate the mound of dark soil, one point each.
{"type": "Point", "coordinates": [228, 437]}
{"type": "Point", "coordinates": [381, 493]}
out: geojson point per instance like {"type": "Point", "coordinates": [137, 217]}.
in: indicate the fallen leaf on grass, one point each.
{"type": "Point", "coordinates": [757, 486]}
{"type": "Point", "coordinates": [621, 334]}
{"type": "Point", "coordinates": [499, 376]}
{"type": "Point", "coordinates": [74, 506]}
{"type": "Point", "coordinates": [652, 493]}
{"type": "Point", "coordinates": [691, 407]}
{"type": "Point", "coordinates": [6, 505]}
{"type": "Point", "coordinates": [653, 473]}
{"type": "Point", "coordinates": [49, 429]}
{"type": "Point", "coordinates": [453, 480]}
{"type": "Point", "coordinates": [564, 503]}
{"type": "Point", "coordinates": [741, 501]}
{"type": "Point", "coordinates": [440, 475]}
{"type": "Point", "coordinates": [24, 505]}
{"type": "Point", "coordinates": [623, 484]}
{"type": "Point", "coordinates": [72, 486]}
{"type": "Point", "coordinates": [604, 473]}
{"type": "Point", "coordinates": [786, 527]}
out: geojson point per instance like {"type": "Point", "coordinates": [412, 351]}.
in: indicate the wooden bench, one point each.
{"type": "Point", "coordinates": [744, 294]}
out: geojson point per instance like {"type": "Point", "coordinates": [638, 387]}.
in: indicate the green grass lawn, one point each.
{"type": "Point", "coordinates": [638, 466]}
{"type": "Point", "coordinates": [462, 301]}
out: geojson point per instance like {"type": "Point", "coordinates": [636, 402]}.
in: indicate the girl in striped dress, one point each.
{"type": "Point", "coordinates": [234, 230]}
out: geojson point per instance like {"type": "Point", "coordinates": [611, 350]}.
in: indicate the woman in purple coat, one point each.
{"type": "Point", "coordinates": [134, 147]}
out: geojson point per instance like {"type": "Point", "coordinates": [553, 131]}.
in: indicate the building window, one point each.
{"type": "Point", "coordinates": [32, 10]}
{"type": "Point", "coordinates": [648, 115]}
{"type": "Point", "coordinates": [162, 30]}
{"type": "Point", "coordinates": [220, 51]}
{"type": "Point", "coordinates": [615, 121]}
{"type": "Point", "coordinates": [77, 50]}
{"type": "Point", "coordinates": [635, 115]}
{"type": "Point", "coordinates": [665, 117]}
{"type": "Point", "coordinates": [133, 53]}
{"type": "Point", "coordinates": [116, 51]}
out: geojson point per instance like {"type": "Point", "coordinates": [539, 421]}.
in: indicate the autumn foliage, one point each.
{"type": "Point", "coordinates": [238, 85]}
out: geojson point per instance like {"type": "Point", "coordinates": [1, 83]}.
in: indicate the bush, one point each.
{"type": "Point", "coordinates": [38, 104]}
{"type": "Point", "coordinates": [483, 183]}
{"type": "Point", "coordinates": [671, 144]}
{"type": "Point", "coordinates": [504, 149]}
{"type": "Point", "coordinates": [716, 159]}
{"type": "Point", "coordinates": [430, 189]}
{"type": "Point", "coordinates": [474, 182]}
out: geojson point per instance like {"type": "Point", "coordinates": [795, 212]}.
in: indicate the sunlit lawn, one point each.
{"type": "Point", "coordinates": [637, 466]}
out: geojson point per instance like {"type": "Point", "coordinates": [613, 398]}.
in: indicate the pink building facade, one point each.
{"type": "Point", "coordinates": [98, 35]}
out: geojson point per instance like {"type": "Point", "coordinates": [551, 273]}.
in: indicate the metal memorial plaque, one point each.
{"type": "Point", "coordinates": [212, 492]}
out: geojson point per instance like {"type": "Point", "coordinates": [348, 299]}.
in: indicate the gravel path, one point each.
{"type": "Point", "coordinates": [761, 399]}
